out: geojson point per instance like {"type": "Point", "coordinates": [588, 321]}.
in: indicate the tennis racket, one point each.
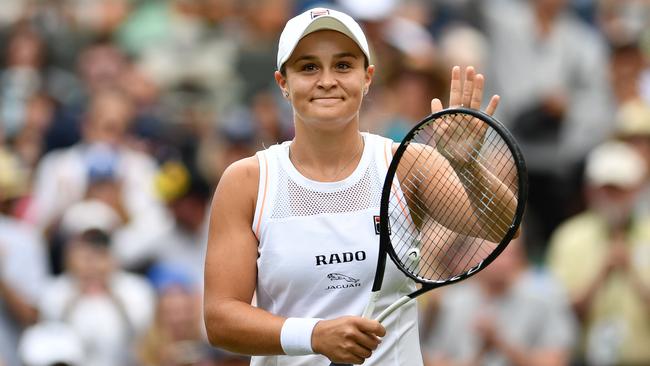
{"type": "Point", "coordinates": [452, 200]}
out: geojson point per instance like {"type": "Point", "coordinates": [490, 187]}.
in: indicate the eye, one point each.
{"type": "Point", "coordinates": [343, 66]}
{"type": "Point", "coordinates": [309, 67]}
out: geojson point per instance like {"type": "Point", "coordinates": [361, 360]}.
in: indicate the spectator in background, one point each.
{"type": "Point", "coordinates": [100, 66]}
{"type": "Point", "coordinates": [183, 244]}
{"type": "Point", "coordinates": [28, 73]}
{"type": "Point", "coordinates": [14, 181]}
{"type": "Point", "coordinates": [23, 270]}
{"type": "Point", "coordinates": [51, 344]}
{"type": "Point", "coordinates": [63, 177]}
{"type": "Point", "coordinates": [175, 337]}
{"type": "Point", "coordinates": [173, 45]}
{"type": "Point", "coordinates": [417, 84]}
{"type": "Point", "coordinates": [633, 127]}
{"type": "Point", "coordinates": [107, 307]}
{"type": "Point", "coordinates": [510, 314]}
{"type": "Point", "coordinates": [28, 143]}
{"type": "Point", "coordinates": [550, 69]}
{"type": "Point", "coordinates": [623, 21]}
{"type": "Point", "coordinates": [626, 65]}
{"type": "Point", "coordinates": [256, 44]}
{"type": "Point", "coordinates": [602, 256]}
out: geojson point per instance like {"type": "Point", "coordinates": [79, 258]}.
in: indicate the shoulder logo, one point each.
{"type": "Point", "coordinates": [377, 220]}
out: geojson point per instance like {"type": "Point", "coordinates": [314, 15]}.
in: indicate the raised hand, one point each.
{"type": "Point", "coordinates": [463, 139]}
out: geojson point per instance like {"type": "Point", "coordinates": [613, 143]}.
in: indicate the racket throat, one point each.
{"type": "Point", "coordinates": [370, 307]}
{"type": "Point", "coordinates": [389, 310]}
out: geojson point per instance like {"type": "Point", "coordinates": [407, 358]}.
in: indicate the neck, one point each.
{"type": "Point", "coordinates": [326, 155]}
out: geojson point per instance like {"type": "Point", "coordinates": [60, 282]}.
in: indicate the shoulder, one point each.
{"type": "Point", "coordinates": [238, 185]}
{"type": "Point", "coordinates": [243, 172]}
{"type": "Point", "coordinates": [380, 140]}
{"type": "Point", "coordinates": [577, 227]}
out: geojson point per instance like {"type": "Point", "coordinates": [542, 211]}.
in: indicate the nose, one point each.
{"type": "Point", "coordinates": [327, 79]}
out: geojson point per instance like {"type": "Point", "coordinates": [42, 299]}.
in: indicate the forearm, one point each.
{"type": "Point", "coordinates": [25, 313]}
{"type": "Point", "coordinates": [490, 197]}
{"type": "Point", "coordinates": [239, 327]}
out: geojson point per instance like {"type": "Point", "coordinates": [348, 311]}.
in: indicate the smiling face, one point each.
{"type": "Point", "coordinates": [325, 79]}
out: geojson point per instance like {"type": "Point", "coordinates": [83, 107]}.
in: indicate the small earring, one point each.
{"type": "Point", "coordinates": [365, 91]}
{"type": "Point", "coordinates": [286, 93]}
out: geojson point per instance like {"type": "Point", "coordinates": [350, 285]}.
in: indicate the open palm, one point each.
{"type": "Point", "coordinates": [458, 140]}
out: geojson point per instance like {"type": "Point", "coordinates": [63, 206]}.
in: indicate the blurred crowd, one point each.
{"type": "Point", "coordinates": [117, 118]}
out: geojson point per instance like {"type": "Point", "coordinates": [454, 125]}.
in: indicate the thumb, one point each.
{"type": "Point", "coordinates": [436, 105]}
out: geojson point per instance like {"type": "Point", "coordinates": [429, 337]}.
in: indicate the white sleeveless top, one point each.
{"type": "Point", "coordinates": [318, 246]}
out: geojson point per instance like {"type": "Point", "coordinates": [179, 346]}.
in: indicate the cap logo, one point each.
{"type": "Point", "coordinates": [319, 12]}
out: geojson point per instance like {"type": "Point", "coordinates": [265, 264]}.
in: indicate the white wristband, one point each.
{"type": "Point", "coordinates": [295, 336]}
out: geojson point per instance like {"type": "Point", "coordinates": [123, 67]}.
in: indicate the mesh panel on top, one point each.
{"type": "Point", "coordinates": [293, 199]}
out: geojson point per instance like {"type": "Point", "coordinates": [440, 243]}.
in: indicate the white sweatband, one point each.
{"type": "Point", "coordinates": [295, 336]}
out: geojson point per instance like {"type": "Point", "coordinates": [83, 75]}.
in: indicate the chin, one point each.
{"type": "Point", "coordinates": [329, 121]}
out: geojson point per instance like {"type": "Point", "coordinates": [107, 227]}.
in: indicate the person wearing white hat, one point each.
{"type": "Point", "coordinates": [51, 343]}
{"type": "Point", "coordinates": [633, 127]}
{"type": "Point", "coordinates": [602, 257]}
{"type": "Point", "coordinates": [294, 225]}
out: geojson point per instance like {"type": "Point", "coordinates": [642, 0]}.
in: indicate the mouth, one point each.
{"type": "Point", "coordinates": [326, 100]}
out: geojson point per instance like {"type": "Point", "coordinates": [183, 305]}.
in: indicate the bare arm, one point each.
{"type": "Point", "coordinates": [230, 269]}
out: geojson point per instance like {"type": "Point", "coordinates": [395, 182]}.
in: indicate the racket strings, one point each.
{"type": "Point", "coordinates": [468, 176]}
{"type": "Point", "coordinates": [425, 247]}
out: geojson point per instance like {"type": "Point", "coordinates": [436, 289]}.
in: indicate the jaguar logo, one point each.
{"type": "Point", "coordinates": [338, 276]}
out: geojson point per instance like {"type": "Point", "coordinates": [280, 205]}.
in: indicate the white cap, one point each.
{"type": "Point", "coordinates": [314, 20]}
{"type": "Point", "coordinates": [89, 214]}
{"type": "Point", "coordinates": [47, 343]}
{"type": "Point", "coordinates": [616, 164]}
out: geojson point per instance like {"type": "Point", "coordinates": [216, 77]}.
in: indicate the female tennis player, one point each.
{"type": "Point", "coordinates": [296, 225]}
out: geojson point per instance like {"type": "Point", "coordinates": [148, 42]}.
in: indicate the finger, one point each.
{"type": "Point", "coordinates": [468, 86]}
{"type": "Point", "coordinates": [360, 351]}
{"type": "Point", "coordinates": [477, 93]}
{"type": "Point", "coordinates": [455, 92]}
{"type": "Point", "coordinates": [368, 340]}
{"type": "Point", "coordinates": [354, 353]}
{"type": "Point", "coordinates": [492, 106]}
{"type": "Point", "coordinates": [436, 105]}
{"type": "Point", "coordinates": [372, 327]}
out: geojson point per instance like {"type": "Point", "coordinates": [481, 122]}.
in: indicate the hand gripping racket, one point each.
{"type": "Point", "coordinates": [452, 200]}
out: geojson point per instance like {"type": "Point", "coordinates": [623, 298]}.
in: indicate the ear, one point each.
{"type": "Point", "coordinates": [282, 83]}
{"type": "Point", "coordinates": [368, 78]}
